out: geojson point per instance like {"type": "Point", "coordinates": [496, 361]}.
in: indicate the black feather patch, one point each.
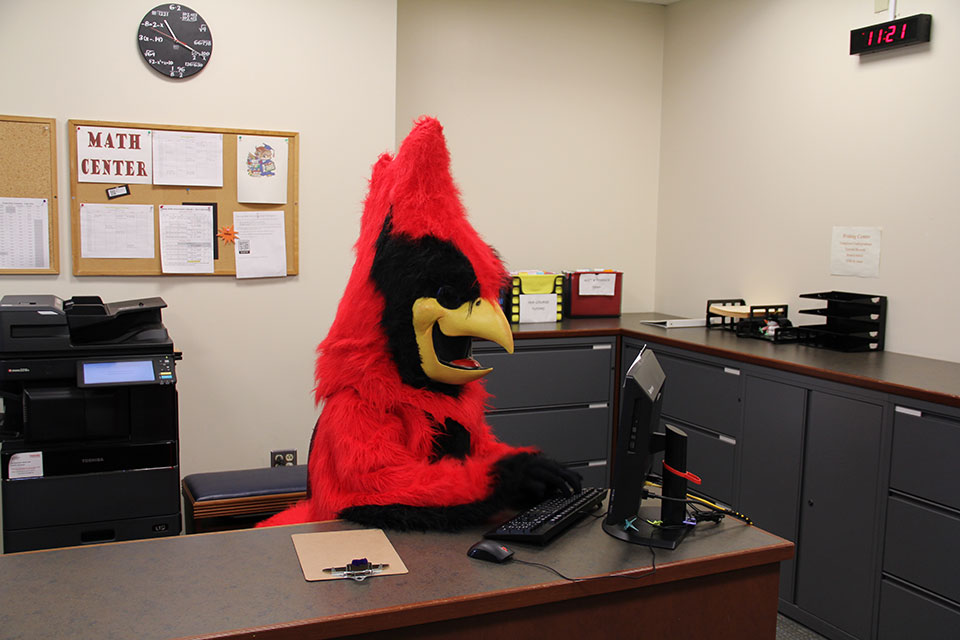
{"type": "Point", "coordinates": [452, 440]}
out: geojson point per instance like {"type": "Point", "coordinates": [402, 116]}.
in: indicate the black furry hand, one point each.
{"type": "Point", "coordinates": [526, 479]}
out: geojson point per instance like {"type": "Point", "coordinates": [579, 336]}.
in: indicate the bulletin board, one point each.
{"type": "Point", "coordinates": [224, 199]}
{"type": "Point", "coordinates": [28, 169]}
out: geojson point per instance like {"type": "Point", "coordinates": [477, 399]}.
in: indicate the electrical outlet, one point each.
{"type": "Point", "coordinates": [283, 458]}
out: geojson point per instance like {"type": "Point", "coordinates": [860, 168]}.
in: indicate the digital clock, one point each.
{"type": "Point", "coordinates": [889, 35]}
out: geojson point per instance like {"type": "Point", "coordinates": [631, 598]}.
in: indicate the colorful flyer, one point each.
{"type": "Point", "coordinates": [262, 169]}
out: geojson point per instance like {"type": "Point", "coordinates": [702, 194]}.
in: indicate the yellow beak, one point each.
{"type": "Point", "coordinates": [436, 326]}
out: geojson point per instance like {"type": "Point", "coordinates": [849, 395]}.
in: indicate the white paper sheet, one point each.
{"type": "Point", "coordinates": [188, 158]}
{"type": "Point", "coordinates": [855, 251]}
{"type": "Point", "coordinates": [262, 169]}
{"type": "Point", "coordinates": [186, 238]}
{"type": "Point", "coordinates": [114, 155]}
{"type": "Point", "coordinates": [540, 307]}
{"type": "Point", "coordinates": [261, 246]}
{"type": "Point", "coordinates": [116, 230]}
{"type": "Point", "coordinates": [598, 284]}
{"type": "Point", "coordinates": [24, 233]}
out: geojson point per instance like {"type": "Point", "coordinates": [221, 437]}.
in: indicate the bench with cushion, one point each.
{"type": "Point", "coordinates": [222, 500]}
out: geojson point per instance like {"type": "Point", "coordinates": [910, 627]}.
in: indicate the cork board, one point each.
{"type": "Point", "coordinates": [224, 198]}
{"type": "Point", "coordinates": [28, 169]}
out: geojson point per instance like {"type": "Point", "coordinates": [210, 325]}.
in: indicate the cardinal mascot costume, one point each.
{"type": "Point", "coordinates": [402, 442]}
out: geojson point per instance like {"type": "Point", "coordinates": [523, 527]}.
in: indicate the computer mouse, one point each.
{"type": "Point", "coordinates": [491, 551]}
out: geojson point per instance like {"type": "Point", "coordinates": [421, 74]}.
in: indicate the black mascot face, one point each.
{"type": "Point", "coordinates": [433, 310]}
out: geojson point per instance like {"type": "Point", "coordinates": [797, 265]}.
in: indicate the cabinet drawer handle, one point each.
{"type": "Point", "coordinates": [731, 371]}
{"type": "Point", "coordinates": [909, 412]}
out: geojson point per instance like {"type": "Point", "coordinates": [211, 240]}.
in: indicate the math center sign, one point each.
{"type": "Point", "coordinates": [112, 155]}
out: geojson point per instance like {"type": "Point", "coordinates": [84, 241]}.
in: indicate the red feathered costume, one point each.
{"type": "Point", "coordinates": [402, 441]}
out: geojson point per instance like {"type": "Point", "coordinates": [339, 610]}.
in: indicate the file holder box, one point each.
{"type": "Point", "coordinates": [592, 293]}
{"type": "Point", "coordinates": [534, 297]}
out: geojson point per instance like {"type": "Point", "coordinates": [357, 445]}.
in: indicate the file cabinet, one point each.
{"type": "Point", "coordinates": [701, 396]}
{"type": "Point", "coordinates": [557, 395]}
{"type": "Point", "coordinates": [802, 458]}
{"type": "Point", "coordinates": [920, 584]}
{"type": "Point", "coordinates": [850, 456]}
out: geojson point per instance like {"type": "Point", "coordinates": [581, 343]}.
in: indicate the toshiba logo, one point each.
{"type": "Point", "coordinates": [88, 460]}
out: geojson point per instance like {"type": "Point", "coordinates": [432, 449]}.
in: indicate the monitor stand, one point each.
{"type": "Point", "coordinates": [639, 531]}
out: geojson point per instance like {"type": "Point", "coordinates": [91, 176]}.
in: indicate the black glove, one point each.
{"type": "Point", "coordinates": [525, 479]}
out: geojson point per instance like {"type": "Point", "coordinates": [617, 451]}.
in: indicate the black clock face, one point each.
{"type": "Point", "coordinates": [175, 41]}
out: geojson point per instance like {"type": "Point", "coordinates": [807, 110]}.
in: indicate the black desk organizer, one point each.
{"type": "Point", "coordinates": [855, 322]}
{"type": "Point", "coordinates": [754, 326]}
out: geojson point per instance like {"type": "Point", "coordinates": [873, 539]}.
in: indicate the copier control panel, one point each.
{"type": "Point", "coordinates": [125, 371]}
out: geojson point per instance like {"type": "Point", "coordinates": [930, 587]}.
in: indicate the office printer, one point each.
{"type": "Point", "coordinates": [89, 424]}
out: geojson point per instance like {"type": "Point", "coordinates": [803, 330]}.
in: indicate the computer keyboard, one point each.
{"type": "Point", "coordinates": [542, 523]}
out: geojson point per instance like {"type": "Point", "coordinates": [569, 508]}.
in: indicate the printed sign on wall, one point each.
{"type": "Point", "coordinates": [107, 154]}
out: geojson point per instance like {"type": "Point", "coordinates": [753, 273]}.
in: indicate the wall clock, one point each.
{"type": "Point", "coordinates": [175, 41]}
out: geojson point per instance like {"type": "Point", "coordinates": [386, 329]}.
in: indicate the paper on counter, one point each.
{"type": "Point", "coordinates": [186, 238]}
{"type": "Point", "coordinates": [261, 247]}
{"type": "Point", "coordinates": [24, 233]}
{"type": "Point", "coordinates": [116, 230]}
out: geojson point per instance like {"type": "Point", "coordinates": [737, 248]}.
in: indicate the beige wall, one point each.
{"type": "Point", "coordinates": [551, 110]}
{"type": "Point", "coordinates": [324, 68]}
{"type": "Point", "coordinates": [773, 134]}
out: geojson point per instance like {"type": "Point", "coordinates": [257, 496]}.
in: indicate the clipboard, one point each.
{"type": "Point", "coordinates": [338, 549]}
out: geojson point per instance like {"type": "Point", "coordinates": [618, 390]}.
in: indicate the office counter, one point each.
{"type": "Point", "coordinates": [909, 376]}
{"type": "Point", "coordinates": [248, 584]}
{"type": "Point", "coordinates": [787, 433]}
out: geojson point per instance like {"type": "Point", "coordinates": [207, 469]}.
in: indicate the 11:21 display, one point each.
{"type": "Point", "coordinates": [889, 35]}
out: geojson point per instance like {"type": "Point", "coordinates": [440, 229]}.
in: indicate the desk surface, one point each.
{"type": "Point", "coordinates": [249, 582]}
{"type": "Point", "coordinates": [926, 379]}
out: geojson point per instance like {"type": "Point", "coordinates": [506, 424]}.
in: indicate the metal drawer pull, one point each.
{"type": "Point", "coordinates": [909, 412]}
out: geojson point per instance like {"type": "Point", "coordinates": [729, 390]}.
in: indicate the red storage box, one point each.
{"type": "Point", "coordinates": [592, 293]}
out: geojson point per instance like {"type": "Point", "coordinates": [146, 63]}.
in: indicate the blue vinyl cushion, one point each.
{"type": "Point", "coordinates": [245, 483]}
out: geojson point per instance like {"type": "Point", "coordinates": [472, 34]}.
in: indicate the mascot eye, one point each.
{"type": "Point", "coordinates": [448, 298]}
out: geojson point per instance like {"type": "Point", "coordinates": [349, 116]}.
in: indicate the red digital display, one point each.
{"type": "Point", "coordinates": [888, 35]}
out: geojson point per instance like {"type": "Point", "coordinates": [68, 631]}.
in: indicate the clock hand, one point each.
{"type": "Point", "coordinates": [170, 30]}
{"type": "Point", "coordinates": [165, 35]}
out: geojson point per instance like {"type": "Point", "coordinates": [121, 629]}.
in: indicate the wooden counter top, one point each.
{"type": "Point", "coordinates": [248, 583]}
{"type": "Point", "coordinates": [936, 381]}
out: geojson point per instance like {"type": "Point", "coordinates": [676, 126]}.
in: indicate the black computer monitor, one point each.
{"type": "Point", "coordinates": [637, 442]}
